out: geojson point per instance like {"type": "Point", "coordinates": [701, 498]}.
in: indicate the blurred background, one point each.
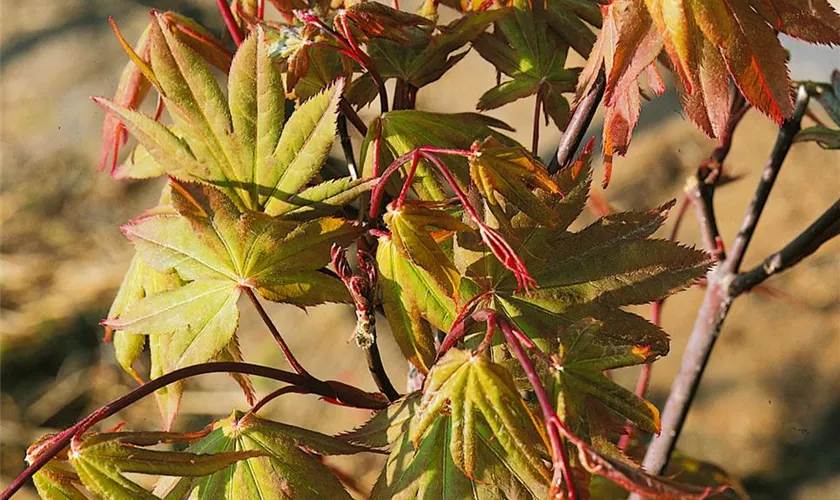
{"type": "Point", "coordinates": [769, 407]}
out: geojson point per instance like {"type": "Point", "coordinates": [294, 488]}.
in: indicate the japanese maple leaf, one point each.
{"type": "Point", "coordinates": [709, 43]}
{"type": "Point", "coordinates": [521, 48]}
{"type": "Point", "coordinates": [133, 87]}
{"type": "Point", "coordinates": [285, 462]}
{"type": "Point", "coordinates": [627, 46]}
{"type": "Point", "coordinates": [240, 143]}
{"type": "Point", "coordinates": [471, 455]}
{"type": "Point", "coordinates": [195, 258]}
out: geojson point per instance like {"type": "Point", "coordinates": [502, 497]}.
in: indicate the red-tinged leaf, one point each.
{"type": "Point", "coordinates": [378, 20]}
{"type": "Point", "coordinates": [196, 36]}
{"type": "Point", "coordinates": [708, 42]}
{"type": "Point", "coordinates": [131, 91]}
{"type": "Point", "coordinates": [632, 44]}
{"type": "Point", "coordinates": [814, 21]}
{"type": "Point", "coordinates": [635, 479]}
{"type": "Point", "coordinates": [752, 52]}
{"type": "Point", "coordinates": [627, 46]}
{"type": "Point", "coordinates": [708, 107]}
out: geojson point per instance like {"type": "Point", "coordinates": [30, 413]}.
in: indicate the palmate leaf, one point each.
{"type": "Point", "coordinates": [217, 250]}
{"type": "Point", "coordinates": [480, 395]}
{"type": "Point", "coordinates": [285, 464]}
{"type": "Point", "coordinates": [584, 356]}
{"type": "Point", "coordinates": [101, 460]}
{"type": "Point", "coordinates": [521, 48]}
{"type": "Point", "coordinates": [709, 42]}
{"type": "Point", "coordinates": [240, 143]}
{"type": "Point", "coordinates": [405, 130]}
{"type": "Point", "coordinates": [428, 470]}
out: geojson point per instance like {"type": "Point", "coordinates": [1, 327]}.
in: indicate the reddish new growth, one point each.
{"type": "Point", "coordinates": [492, 238]}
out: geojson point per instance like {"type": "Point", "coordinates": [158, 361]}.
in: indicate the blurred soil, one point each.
{"type": "Point", "coordinates": [769, 407]}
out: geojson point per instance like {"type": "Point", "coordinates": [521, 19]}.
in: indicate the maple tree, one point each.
{"type": "Point", "coordinates": [511, 319]}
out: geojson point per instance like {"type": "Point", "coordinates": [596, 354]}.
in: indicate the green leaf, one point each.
{"type": "Point", "coordinates": [425, 63]}
{"type": "Point", "coordinates": [479, 393]}
{"type": "Point", "coordinates": [427, 469]}
{"type": "Point", "coordinates": [568, 20]}
{"type": "Point", "coordinates": [579, 375]}
{"type": "Point", "coordinates": [238, 144]}
{"type": "Point", "coordinates": [826, 137]}
{"type": "Point", "coordinates": [521, 48]}
{"type": "Point", "coordinates": [101, 460]}
{"type": "Point", "coordinates": [304, 145]}
{"type": "Point", "coordinates": [55, 481]}
{"type": "Point", "coordinates": [413, 303]}
{"type": "Point", "coordinates": [140, 281]}
{"type": "Point", "coordinates": [289, 469]}
{"type": "Point", "coordinates": [386, 427]}
{"type": "Point", "coordinates": [325, 198]}
{"type": "Point", "coordinates": [218, 250]}
{"type": "Point", "coordinates": [410, 225]}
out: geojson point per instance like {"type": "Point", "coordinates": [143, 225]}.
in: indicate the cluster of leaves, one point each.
{"type": "Point", "coordinates": [708, 43]}
{"type": "Point", "coordinates": [250, 209]}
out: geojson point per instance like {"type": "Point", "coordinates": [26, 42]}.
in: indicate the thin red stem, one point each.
{"type": "Point", "coordinates": [415, 161]}
{"type": "Point", "coordinates": [230, 22]}
{"type": "Point", "coordinates": [286, 389]}
{"type": "Point", "coordinates": [276, 333]}
{"type": "Point", "coordinates": [561, 466]}
{"type": "Point", "coordinates": [260, 9]}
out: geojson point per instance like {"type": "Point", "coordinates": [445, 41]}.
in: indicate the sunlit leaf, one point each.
{"type": "Point", "coordinates": [579, 375]}
{"type": "Point", "coordinates": [513, 173]}
{"type": "Point", "coordinates": [288, 468]}
{"type": "Point", "coordinates": [429, 471]}
{"type": "Point", "coordinates": [102, 459]}
{"type": "Point", "coordinates": [414, 303]}
{"type": "Point", "coordinates": [480, 395]}
{"type": "Point", "coordinates": [239, 143]}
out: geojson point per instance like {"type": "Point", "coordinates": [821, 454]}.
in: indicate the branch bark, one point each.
{"type": "Point", "coordinates": [719, 297]}
{"type": "Point", "coordinates": [578, 124]}
{"type": "Point", "coordinates": [826, 227]}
